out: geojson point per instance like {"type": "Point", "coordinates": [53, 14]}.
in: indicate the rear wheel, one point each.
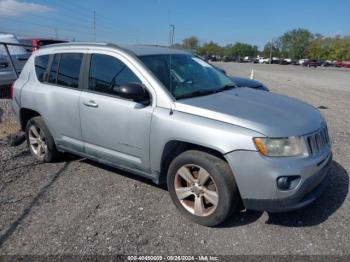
{"type": "Point", "coordinates": [40, 140]}
{"type": "Point", "coordinates": [202, 187]}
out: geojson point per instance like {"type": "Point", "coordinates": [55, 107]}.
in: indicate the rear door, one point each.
{"type": "Point", "coordinates": [114, 129]}
{"type": "Point", "coordinates": [62, 91]}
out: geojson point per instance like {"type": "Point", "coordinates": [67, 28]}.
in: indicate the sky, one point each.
{"type": "Point", "coordinates": [148, 21]}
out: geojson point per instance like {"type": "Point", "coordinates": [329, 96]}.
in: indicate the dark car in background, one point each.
{"type": "Point", "coordinates": [245, 82]}
{"type": "Point", "coordinates": [312, 63]}
{"type": "Point", "coordinates": [36, 43]}
{"type": "Point", "coordinates": [328, 63]}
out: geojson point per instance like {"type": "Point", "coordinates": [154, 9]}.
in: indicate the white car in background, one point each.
{"type": "Point", "coordinates": [275, 60]}
{"type": "Point", "coordinates": [263, 60]}
{"type": "Point", "coordinates": [247, 59]}
{"type": "Point", "coordinates": [19, 57]}
{"type": "Point", "coordinates": [302, 61]}
{"type": "Point", "coordinates": [286, 61]}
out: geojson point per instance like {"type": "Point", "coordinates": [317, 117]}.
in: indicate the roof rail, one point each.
{"type": "Point", "coordinates": [81, 43]}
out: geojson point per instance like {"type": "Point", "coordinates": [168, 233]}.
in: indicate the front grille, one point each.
{"type": "Point", "coordinates": [318, 141]}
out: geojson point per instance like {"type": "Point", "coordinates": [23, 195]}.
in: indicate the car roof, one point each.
{"type": "Point", "coordinates": [138, 50]}
{"type": "Point", "coordinates": [141, 50]}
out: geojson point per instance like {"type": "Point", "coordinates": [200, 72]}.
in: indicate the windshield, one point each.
{"type": "Point", "coordinates": [186, 75]}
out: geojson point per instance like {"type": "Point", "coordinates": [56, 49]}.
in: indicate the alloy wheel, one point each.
{"type": "Point", "coordinates": [37, 141]}
{"type": "Point", "coordinates": [196, 190]}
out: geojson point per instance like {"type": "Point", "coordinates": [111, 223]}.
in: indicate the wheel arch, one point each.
{"type": "Point", "coordinates": [173, 148]}
{"type": "Point", "coordinates": [25, 115]}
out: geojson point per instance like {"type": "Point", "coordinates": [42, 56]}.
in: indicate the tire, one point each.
{"type": "Point", "coordinates": [42, 138]}
{"type": "Point", "coordinates": [221, 184]}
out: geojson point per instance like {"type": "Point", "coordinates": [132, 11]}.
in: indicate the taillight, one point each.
{"type": "Point", "coordinates": [11, 90]}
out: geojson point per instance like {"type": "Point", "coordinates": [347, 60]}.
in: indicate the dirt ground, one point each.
{"type": "Point", "coordinates": [76, 206]}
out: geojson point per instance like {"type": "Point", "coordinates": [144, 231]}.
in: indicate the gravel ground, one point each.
{"type": "Point", "coordinates": [76, 206]}
{"type": "Point", "coordinates": [8, 124]}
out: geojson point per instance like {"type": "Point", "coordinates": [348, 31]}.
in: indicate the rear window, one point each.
{"type": "Point", "coordinates": [65, 69]}
{"type": "Point", "coordinates": [41, 63]}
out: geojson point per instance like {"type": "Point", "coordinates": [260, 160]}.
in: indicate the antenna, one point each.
{"type": "Point", "coordinates": [171, 35]}
{"type": "Point", "coordinates": [94, 26]}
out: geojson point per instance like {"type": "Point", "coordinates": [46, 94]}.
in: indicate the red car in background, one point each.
{"type": "Point", "coordinates": [343, 64]}
{"type": "Point", "coordinates": [38, 42]}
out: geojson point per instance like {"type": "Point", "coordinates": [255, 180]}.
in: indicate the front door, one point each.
{"type": "Point", "coordinates": [114, 129]}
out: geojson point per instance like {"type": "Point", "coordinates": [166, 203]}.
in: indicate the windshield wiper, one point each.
{"type": "Point", "coordinates": [196, 93]}
{"type": "Point", "coordinates": [225, 87]}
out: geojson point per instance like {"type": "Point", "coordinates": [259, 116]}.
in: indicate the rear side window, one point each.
{"type": "Point", "coordinates": [65, 69]}
{"type": "Point", "coordinates": [107, 73]}
{"type": "Point", "coordinates": [54, 67]}
{"type": "Point", "coordinates": [69, 70]}
{"type": "Point", "coordinates": [41, 63]}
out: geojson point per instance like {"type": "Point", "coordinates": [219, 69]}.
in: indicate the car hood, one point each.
{"type": "Point", "coordinates": [265, 112]}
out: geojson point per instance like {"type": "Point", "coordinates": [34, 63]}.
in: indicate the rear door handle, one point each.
{"type": "Point", "coordinates": [90, 103]}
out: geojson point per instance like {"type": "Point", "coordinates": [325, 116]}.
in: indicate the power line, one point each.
{"type": "Point", "coordinates": [86, 24]}
{"type": "Point", "coordinates": [35, 24]}
{"type": "Point", "coordinates": [78, 27]}
{"type": "Point", "coordinates": [37, 33]}
{"type": "Point", "coordinates": [63, 33]}
{"type": "Point", "coordinates": [71, 4]}
{"type": "Point", "coordinates": [85, 13]}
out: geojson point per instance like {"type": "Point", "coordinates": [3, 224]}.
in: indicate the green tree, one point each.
{"type": "Point", "coordinates": [318, 48]}
{"type": "Point", "coordinates": [329, 48]}
{"type": "Point", "coordinates": [294, 43]}
{"type": "Point", "coordinates": [190, 42]}
{"type": "Point", "coordinates": [274, 47]}
{"type": "Point", "coordinates": [340, 48]}
{"type": "Point", "coordinates": [241, 49]}
{"type": "Point", "coordinates": [210, 48]}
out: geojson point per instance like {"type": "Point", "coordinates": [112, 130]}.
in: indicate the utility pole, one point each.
{"type": "Point", "coordinates": [56, 32]}
{"type": "Point", "coordinates": [271, 51]}
{"type": "Point", "coordinates": [171, 35]}
{"type": "Point", "coordinates": [94, 26]}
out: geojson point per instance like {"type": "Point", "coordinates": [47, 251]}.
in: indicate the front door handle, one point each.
{"type": "Point", "coordinates": [91, 103]}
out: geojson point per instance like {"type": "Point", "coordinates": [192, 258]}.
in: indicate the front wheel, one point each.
{"type": "Point", "coordinates": [202, 187]}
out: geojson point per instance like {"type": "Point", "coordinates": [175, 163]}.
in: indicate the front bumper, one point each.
{"type": "Point", "coordinates": [256, 180]}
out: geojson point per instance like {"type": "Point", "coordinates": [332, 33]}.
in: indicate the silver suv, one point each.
{"type": "Point", "coordinates": [169, 116]}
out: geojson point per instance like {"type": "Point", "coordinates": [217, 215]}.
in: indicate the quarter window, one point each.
{"type": "Point", "coordinates": [41, 63]}
{"type": "Point", "coordinates": [107, 73]}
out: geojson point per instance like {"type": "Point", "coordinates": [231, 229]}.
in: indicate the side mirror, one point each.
{"type": "Point", "coordinates": [132, 91]}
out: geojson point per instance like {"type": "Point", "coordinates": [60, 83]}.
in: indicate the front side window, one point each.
{"type": "Point", "coordinates": [185, 75]}
{"type": "Point", "coordinates": [69, 70]}
{"type": "Point", "coordinates": [41, 63]}
{"type": "Point", "coordinates": [107, 74]}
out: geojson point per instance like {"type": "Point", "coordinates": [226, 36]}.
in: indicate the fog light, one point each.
{"type": "Point", "coordinates": [283, 183]}
{"type": "Point", "coordinates": [287, 182]}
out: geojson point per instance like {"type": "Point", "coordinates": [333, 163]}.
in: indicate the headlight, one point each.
{"type": "Point", "coordinates": [289, 146]}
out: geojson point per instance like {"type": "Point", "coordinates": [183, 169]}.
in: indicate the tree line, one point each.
{"type": "Point", "coordinates": [296, 44]}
